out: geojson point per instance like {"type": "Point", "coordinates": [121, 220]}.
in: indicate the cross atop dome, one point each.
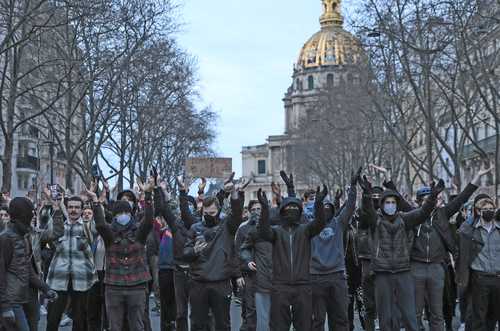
{"type": "Point", "coordinates": [331, 14]}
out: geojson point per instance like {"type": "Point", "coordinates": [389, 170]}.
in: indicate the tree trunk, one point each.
{"type": "Point", "coordinates": [7, 165]}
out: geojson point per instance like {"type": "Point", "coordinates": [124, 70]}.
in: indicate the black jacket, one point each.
{"type": "Point", "coordinates": [255, 249]}
{"type": "Point", "coordinates": [17, 270]}
{"type": "Point", "coordinates": [392, 236]}
{"type": "Point", "coordinates": [214, 263]}
{"type": "Point", "coordinates": [434, 238]}
{"type": "Point", "coordinates": [291, 246]}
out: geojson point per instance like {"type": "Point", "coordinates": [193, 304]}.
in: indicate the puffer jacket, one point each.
{"type": "Point", "coordinates": [392, 236]}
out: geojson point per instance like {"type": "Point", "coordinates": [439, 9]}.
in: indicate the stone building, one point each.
{"type": "Point", "coordinates": [326, 60]}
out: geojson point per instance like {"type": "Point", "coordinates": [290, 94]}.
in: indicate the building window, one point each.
{"type": "Point", "coordinates": [310, 82]}
{"type": "Point", "coordinates": [261, 167]}
{"type": "Point", "coordinates": [329, 80]}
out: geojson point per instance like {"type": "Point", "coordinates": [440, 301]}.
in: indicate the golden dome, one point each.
{"type": "Point", "coordinates": [332, 45]}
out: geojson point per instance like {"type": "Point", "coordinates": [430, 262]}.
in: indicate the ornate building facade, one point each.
{"type": "Point", "coordinates": [326, 60]}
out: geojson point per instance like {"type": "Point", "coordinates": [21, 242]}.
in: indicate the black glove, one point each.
{"type": "Point", "coordinates": [262, 197]}
{"type": "Point", "coordinates": [288, 180]}
{"type": "Point", "coordinates": [365, 185]}
{"type": "Point", "coordinates": [355, 176]}
{"type": "Point", "coordinates": [321, 195]}
{"type": "Point", "coordinates": [389, 185]}
{"type": "Point", "coordinates": [436, 189]}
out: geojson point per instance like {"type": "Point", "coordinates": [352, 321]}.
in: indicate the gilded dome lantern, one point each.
{"type": "Point", "coordinates": [332, 45]}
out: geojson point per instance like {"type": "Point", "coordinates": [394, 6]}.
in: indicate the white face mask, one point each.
{"type": "Point", "coordinates": [390, 208]}
{"type": "Point", "coordinates": [123, 219]}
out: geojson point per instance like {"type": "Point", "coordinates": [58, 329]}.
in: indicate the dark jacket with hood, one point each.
{"type": "Point", "coordinates": [434, 238]}
{"type": "Point", "coordinates": [327, 249]}
{"type": "Point", "coordinates": [291, 244]}
{"type": "Point", "coordinates": [392, 236]}
{"type": "Point", "coordinates": [126, 263]}
{"type": "Point", "coordinates": [214, 263]}
{"type": "Point", "coordinates": [363, 237]}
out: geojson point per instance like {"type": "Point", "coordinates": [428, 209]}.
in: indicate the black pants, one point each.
{"type": "Point", "coordinates": [395, 296]}
{"type": "Point", "coordinates": [181, 282]}
{"type": "Point", "coordinates": [368, 285]}
{"type": "Point", "coordinates": [485, 292]}
{"type": "Point", "coordinates": [214, 296]}
{"type": "Point", "coordinates": [167, 299]}
{"type": "Point", "coordinates": [299, 298]}
{"type": "Point", "coordinates": [330, 293]}
{"type": "Point", "coordinates": [96, 307]}
{"type": "Point", "coordinates": [249, 304]}
{"type": "Point", "coordinates": [78, 305]}
{"type": "Point", "coordinates": [429, 288]}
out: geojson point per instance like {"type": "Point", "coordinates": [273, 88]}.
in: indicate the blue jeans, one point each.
{"type": "Point", "coordinates": [21, 320]}
{"type": "Point", "coordinates": [263, 307]}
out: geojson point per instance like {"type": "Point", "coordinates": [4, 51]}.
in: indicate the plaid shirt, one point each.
{"type": "Point", "coordinates": [73, 259]}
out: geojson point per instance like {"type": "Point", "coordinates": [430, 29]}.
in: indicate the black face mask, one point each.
{"type": "Point", "coordinates": [488, 215]}
{"type": "Point", "coordinates": [376, 203]}
{"type": "Point", "coordinates": [291, 216]}
{"type": "Point", "coordinates": [329, 213]}
{"type": "Point", "coordinates": [210, 220]}
{"type": "Point", "coordinates": [21, 227]}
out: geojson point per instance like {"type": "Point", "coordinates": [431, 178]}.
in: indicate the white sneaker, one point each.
{"type": "Point", "coordinates": [66, 321]}
{"type": "Point", "coordinates": [377, 326]}
{"type": "Point", "coordinates": [461, 327]}
{"type": "Point", "coordinates": [43, 310]}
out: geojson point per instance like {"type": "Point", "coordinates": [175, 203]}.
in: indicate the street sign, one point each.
{"type": "Point", "coordinates": [216, 167]}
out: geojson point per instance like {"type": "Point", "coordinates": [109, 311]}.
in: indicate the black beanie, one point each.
{"type": "Point", "coordinates": [120, 207]}
{"type": "Point", "coordinates": [21, 209]}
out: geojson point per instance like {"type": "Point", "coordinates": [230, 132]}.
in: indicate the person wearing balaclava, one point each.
{"type": "Point", "coordinates": [433, 242]}
{"type": "Point", "coordinates": [391, 232]}
{"type": "Point", "coordinates": [478, 266]}
{"type": "Point", "coordinates": [17, 272]}
{"type": "Point", "coordinates": [210, 250]}
{"type": "Point", "coordinates": [127, 273]}
{"type": "Point", "coordinates": [291, 242]}
{"type": "Point", "coordinates": [328, 267]}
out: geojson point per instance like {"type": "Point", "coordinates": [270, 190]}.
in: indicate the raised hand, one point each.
{"type": "Point", "coordinates": [321, 194]}
{"type": "Point", "coordinates": [148, 187]}
{"type": "Point", "coordinates": [484, 171]}
{"type": "Point", "coordinates": [276, 189]}
{"type": "Point", "coordinates": [91, 195]}
{"type": "Point", "coordinates": [355, 176]}
{"type": "Point", "coordinates": [181, 184]}
{"type": "Point", "coordinates": [262, 197]}
{"type": "Point", "coordinates": [365, 184]}
{"type": "Point", "coordinates": [229, 184]}
{"type": "Point", "coordinates": [201, 187]}
{"type": "Point", "coordinates": [339, 194]}
{"type": "Point", "coordinates": [436, 189]}
{"type": "Point", "coordinates": [154, 174]}
{"type": "Point", "coordinates": [287, 179]}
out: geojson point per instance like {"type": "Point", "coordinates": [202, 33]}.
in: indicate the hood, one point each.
{"type": "Point", "coordinates": [387, 194]}
{"type": "Point", "coordinates": [129, 192]}
{"type": "Point", "coordinates": [290, 201]}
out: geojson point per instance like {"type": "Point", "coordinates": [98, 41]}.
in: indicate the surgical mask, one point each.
{"type": "Point", "coordinates": [123, 219]}
{"type": "Point", "coordinates": [390, 209]}
{"type": "Point", "coordinates": [254, 215]}
{"type": "Point", "coordinates": [488, 215]}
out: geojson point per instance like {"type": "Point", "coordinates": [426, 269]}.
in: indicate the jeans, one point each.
{"type": "Point", "coordinates": [21, 320]}
{"type": "Point", "coordinates": [485, 292]}
{"type": "Point", "coordinates": [129, 303]}
{"type": "Point", "coordinates": [395, 297]}
{"type": "Point", "coordinates": [330, 293]}
{"type": "Point", "coordinates": [249, 303]}
{"type": "Point", "coordinates": [368, 285]}
{"type": "Point", "coordinates": [263, 307]}
{"type": "Point", "coordinates": [429, 284]}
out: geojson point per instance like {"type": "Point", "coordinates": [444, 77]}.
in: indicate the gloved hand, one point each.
{"type": "Point", "coordinates": [436, 189]}
{"type": "Point", "coordinates": [321, 195]}
{"type": "Point", "coordinates": [365, 185]}
{"type": "Point", "coordinates": [355, 176]}
{"type": "Point", "coordinates": [51, 295]}
{"type": "Point", "coordinates": [288, 180]}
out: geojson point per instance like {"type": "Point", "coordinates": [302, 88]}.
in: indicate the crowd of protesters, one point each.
{"type": "Point", "coordinates": [309, 262]}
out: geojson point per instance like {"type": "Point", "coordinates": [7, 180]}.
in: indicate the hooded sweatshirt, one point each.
{"type": "Point", "coordinates": [327, 249]}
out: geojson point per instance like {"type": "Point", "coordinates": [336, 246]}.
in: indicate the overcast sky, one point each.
{"type": "Point", "coordinates": [245, 52]}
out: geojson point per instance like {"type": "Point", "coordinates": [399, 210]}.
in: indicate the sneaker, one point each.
{"type": "Point", "coordinates": [377, 326]}
{"type": "Point", "coordinates": [43, 310]}
{"type": "Point", "coordinates": [461, 327]}
{"type": "Point", "coordinates": [66, 321]}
